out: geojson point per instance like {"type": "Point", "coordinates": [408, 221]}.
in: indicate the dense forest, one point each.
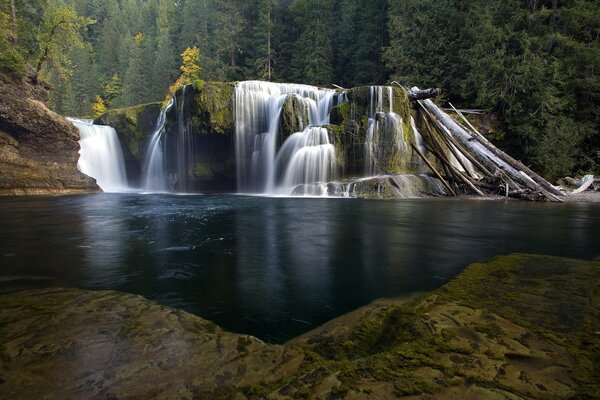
{"type": "Point", "coordinates": [535, 63]}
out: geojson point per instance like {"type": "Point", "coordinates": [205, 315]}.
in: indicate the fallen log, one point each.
{"type": "Point", "coordinates": [491, 157]}
{"type": "Point", "coordinates": [509, 160]}
{"type": "Point", "coordinates": [587, 181]}
{"type": "Point", "coordinates": [414, 95]}
{"type": "Point", "coordinates": [432, 168]}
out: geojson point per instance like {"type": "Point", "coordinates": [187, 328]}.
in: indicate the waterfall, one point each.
{"type": "Point", "coordinates": [101, 156]}
{"type": "Point", "coordinates": [385, 132]}
{"type": "Point", "coordinates": [154, 171]}
{"type": "Point", "coordinates": [258, 122]}
{"type": "Point", "coordinates": [307, 162]}
{"type": "Point", "coordinates": [170, 156]}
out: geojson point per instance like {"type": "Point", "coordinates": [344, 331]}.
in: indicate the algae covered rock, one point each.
{"type": "Point", "coordinates": [518, 327]}
{"type": "Point", "coordinates": [294, 117]}
{"type": "Point", "coordinates": [114, 345]}
{"type": "Point", "coordinates": [133, 125]}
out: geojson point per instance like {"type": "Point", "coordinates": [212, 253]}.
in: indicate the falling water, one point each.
{"type": "Point", "coordinates": [377, 97]}
{"type": "Point", "coordinates": [154, 171]}
{"type": "Point", "coordinates": [258, 121]}
{"type": "Point", "coordinates": [307, 162]}
{"type": "Point", "coordinates": [101, 156]}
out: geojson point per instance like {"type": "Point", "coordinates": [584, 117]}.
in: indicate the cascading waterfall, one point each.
{"type": "Point", "coordinates": [154, 171]}
{"type": "Point", "coordinates": [101, 156]}
{"type": "Point", "coordinates": [185, 144]}
{"type": "Point", "coordinates": [170, 158]}
{"type": "Point", "coordinates": [258, 121]}
{"type": "Point", "coordinates": [376, 105]}
{"type": "Point", "coordinates": [307, 162]}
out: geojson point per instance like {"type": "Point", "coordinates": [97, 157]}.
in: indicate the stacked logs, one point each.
{"type": "Point", "coordinates": [467, 162]}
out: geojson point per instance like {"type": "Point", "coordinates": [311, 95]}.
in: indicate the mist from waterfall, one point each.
{"type": "Point", "coordinates": [101, 156]}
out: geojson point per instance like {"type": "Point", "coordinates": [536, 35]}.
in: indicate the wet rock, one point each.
{"type": "Point", "coordinates": [520, 326]}
{"type": "Point", "coordinates": [75, 344]}
{"type": "Point", "coordinates": [294, 117]}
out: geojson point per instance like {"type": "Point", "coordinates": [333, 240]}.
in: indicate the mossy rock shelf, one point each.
{"type": "Point", "coordinates": [517, 327]}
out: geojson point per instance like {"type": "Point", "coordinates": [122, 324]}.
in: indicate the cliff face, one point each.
{"type": "Point", "coordinates": [38, 148]}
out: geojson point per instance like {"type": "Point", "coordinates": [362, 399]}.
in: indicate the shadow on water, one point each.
{"type": "Point", "coordinates": [272, 267]}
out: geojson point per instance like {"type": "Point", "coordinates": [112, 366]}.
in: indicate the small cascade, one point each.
{"type": "Point", "coordinates": [154, 171]}
{"type": "Point", "coordinates": [101, 156]}
{"type": "Point", "coordinates": [171, 154]}
{"type": "Point", "coordinates": [307, 162]}
{"type": "Point", "coordinates": [185, 143]}
{"type": "Point", "coordinates": [258, 122]}
{"type": "Point", "coordinates": [377, 98]}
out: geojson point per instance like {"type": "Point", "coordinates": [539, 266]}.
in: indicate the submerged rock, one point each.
{"type": "Point", "coordinates": [520, 326]}
{"type": "Point", "coordinates": [38, 148]}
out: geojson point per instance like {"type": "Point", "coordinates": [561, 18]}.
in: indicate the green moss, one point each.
{"type": "Point", "coordinates": [202, 170]}
{"type": "Point", "coordinates": [336, 138]}
{"type": "Point", "coordinates": [133, 124]}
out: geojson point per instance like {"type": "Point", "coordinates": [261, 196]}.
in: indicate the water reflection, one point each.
{"type": "Point", "coordinates": [272, 267]}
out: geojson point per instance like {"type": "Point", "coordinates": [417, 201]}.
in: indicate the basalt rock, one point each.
{"type": "Point", "coordinates": [38, 148]}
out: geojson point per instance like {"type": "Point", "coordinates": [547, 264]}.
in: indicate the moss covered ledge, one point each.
{"type": "Point", "coordinates": [518, 327]}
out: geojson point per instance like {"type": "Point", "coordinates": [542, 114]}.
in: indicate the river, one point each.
{"type": "Point", "coordinates": [272, 267]}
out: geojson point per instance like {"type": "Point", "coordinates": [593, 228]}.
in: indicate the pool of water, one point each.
{"type": "Point", "coordinates": [272, 267]}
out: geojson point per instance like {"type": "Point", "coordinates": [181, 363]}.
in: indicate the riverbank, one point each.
{"type": "Point", "coordinates": [520, 326]}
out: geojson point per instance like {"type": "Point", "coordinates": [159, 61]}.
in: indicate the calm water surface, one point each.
{"type": "Point", "coordinates": [272, 267]}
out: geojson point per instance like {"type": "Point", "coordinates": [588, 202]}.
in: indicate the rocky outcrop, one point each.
{"type": "Point", "coordinates": [38, 148]}
{"type": "Point", "coordinates": [518, 327]}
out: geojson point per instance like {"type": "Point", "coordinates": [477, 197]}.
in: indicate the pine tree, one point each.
{"type": "Point", "coordinates": [313, 52]}
{"type": "Point", "coordinates": [263, 38]}
{"type": "Point", "coordinates": [134, 81]}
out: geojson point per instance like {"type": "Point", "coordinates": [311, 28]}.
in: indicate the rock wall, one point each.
{"type": "Point", "coordinates": [38, 148]}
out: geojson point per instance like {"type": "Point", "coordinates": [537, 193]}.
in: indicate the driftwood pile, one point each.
{"type": "Point", "coordinates": [467, 162]}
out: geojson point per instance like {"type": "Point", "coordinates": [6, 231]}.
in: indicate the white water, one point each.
{"type": "Point", "coordinates": [258, 121]}
{"type": "Point", "coordinates": [154, 174]}
{"type": "Point", "coordinates": [307, 162]}
{"type": "Point", "coordinates": [378, 95]}
{"type": "Point", "coordinates": [101, 156]}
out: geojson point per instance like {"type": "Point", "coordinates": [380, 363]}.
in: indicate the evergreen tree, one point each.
{"type": "Point", "coordinates": [313, 52]}
{"type": "Point", "coordinates": [135, 81]}
{"type": "Point", "coordinates": [263, 38]}
{"type": "Point", "coordinates": [165, 66]}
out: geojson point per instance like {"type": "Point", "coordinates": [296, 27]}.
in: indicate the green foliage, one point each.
{"type": "Point", "coordinates": [313, 57]}
{"type": "Point", "coordinates": [59, 32]}
{"type": "Point", "coordinates": [11, 60]}
{"type": "Point", "coordinates": [190, 68]}
{"type": "Point", "coordinates": [534, 63]}
{"type": "Point", "coordinates": [98, 106]}
{"type": "Point", "coordinates": [112, 89]}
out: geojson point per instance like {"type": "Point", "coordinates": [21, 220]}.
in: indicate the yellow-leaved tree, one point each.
{"type": "Point", "coordinates": [98, 106]}
{"type": "Point", "coordinates": [190, 68]}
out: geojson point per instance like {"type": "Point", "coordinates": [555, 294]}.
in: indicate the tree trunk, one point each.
{"type": "Point", "coordinates": [493, 158]}
{"type": "Point", "coordinates": [13, 17]}
{"type": "Point", "coordinates": [414, 95]}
